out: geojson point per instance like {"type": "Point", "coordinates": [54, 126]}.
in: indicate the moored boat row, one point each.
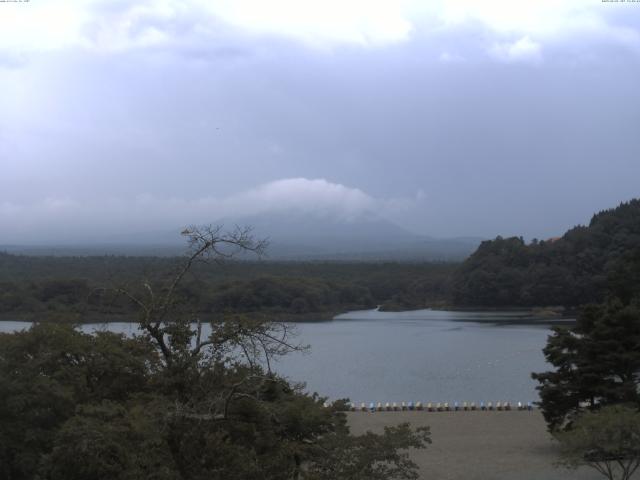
{"type": "Point", "coordinates": [437, 407]}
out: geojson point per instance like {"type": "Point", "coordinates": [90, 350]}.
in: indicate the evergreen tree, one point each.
{"type": "Point", "coordinates": [597, 363]}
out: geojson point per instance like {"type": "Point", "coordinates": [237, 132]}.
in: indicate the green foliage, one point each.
{"type": "Point", "coordinates": [47, 372]}
{"type": "Point", "coordinates": [294, 295]}
{"type": "Point", "coordinates": [597, 363]}
{"type": "Point", "coordinates": [583, 266]}
{"type": "Point", "coordinates": [168, 404]}
{"type": "Point", "coordinates": [607, 440]}
{"type": "Point", "coordinates": [358, 458]}
{"type": "Point", "coordinates": [76, 406]}
{"type": "Point", "coordinates": [71, 288]}
{"type": "Point", "coordinates": [108, 441]}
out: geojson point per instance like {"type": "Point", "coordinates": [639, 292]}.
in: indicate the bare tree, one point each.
{"type": "Point", "coordinates": [179, 337]}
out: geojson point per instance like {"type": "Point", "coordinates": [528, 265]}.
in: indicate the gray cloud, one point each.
{"type": "Point", "coordinates": [520, 130]}
{"type": "Point", "coordinates": [68, 220]}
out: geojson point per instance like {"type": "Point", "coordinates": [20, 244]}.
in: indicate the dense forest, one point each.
{"type": "Point", "coordinates": [172, 404]}
{"type": "Point", "coordinates": [583, 266]}
{"type": "Point", "coordinates": [81, 288]}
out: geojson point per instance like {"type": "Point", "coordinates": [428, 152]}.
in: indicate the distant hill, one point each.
{"type": "Point", "coordinates": [292, 236]}
{"type": "Point", "coordinates": [582, 266]}
{"type": "Point", "coordinates": [365, 238]}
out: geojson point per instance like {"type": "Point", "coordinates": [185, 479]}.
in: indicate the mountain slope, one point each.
{"type": "Point", "coordinates": [584, 265]}
{"type": "Point", "coordinates": [292, 235]}
{"type": "Point", "coordinates": [366, 237]}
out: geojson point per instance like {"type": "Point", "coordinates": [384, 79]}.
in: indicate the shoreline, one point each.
{"type": "Point", "coordinates": [74, 318]}
{"type": "Point", "coordinates": [549, 312]}
{"type": "Point", "coordinates": [523, 316]}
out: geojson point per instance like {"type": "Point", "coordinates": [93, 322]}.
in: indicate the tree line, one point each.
{"type": "Point", "coordinates": [580, 267]}
{"type": "Point", "coordinates": [583, 266]}
{"type": "Point", "coordinates": [591, 397]}
{"type": "Point", "coordinates": [71, 288]}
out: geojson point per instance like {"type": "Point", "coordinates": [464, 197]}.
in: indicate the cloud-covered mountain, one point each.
{"type": "Point", "coordinates": [301, 218]}
{"type": "Point", "coordinates": [291, 235]}
{"type": "Point", "coordinates": [70, 220]}
{"type": "Point", "coordinates": [296, 235]}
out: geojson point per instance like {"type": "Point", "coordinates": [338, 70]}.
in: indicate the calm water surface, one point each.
{"type": "Point", "coordinates": [422, 355]}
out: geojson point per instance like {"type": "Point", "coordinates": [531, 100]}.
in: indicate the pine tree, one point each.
{"type": "Point", "coordinates": [597, 363]}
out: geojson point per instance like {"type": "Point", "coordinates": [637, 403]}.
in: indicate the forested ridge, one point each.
{"type": "Point", "coordinates": [583, 266]}
{"type": "Point", "coordinates": [73, 288]}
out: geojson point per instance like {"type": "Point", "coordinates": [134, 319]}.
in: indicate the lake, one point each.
{"type": "Point", "coordinates": [422, 355]}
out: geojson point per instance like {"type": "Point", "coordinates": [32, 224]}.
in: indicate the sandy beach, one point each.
{"type": "Point", "coordinates": [477, 445]}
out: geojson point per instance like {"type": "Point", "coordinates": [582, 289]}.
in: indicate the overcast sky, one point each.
{"type": "Point", "coordinates": [451, 117]}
